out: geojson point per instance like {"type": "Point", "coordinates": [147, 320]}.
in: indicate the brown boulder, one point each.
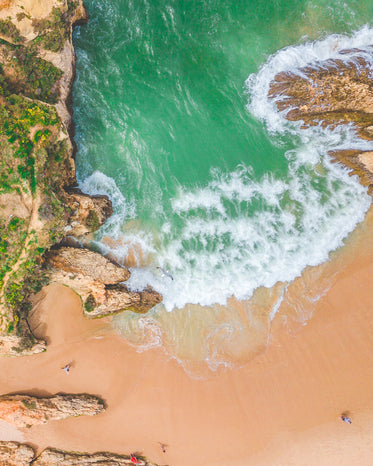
{"type": "Point", "coordinates": [89, 212]}
{"type": "Point", "coordinates": [118, 298]}
{"type": "Point", "coordinates": [97, 281]}
{"type": "Point", "coordinates": [15, 454]}
{"type": "Point", "coordinates": [87, 263]}
{"type": "Point", "coordinates": [26, 411]}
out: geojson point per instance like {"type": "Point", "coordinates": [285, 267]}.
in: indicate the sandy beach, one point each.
{"type": "Point", "coordinates": [282, 408]}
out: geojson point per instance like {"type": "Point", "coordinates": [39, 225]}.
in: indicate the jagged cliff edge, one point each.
{"type": "Point", "coordinates": [40, 204]}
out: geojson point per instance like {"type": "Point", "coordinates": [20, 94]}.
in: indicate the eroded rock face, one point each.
{"type": "Point", "coordinates": [50, 456]}
{"type": "Point", "coordinates": [118, 298]}
{"type": "Point", "coordinates": [37, 63]}
{"type": "Point", "coordinates": [15, 454]}
{"type": "Point", "coordinates": [26, 411]}
{"type": "Point", "coordinates": [98, 282]}
{"type": "Point", "coordinates": [87, 263]}
{"type": "Point", "coordinates": [89, 212]}
{"type": "Point", "coordinates": [332, 92]}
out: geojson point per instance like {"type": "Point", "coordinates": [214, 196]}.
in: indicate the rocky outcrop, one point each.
{"type": "Point", "coordinates": [98, 282]}
{"type": "Point", "coordinates": [118, 298]}
{"type": "Point", "coordinates": [89, 212]}
{"type": "Point", "coordinates": [14, 345]}
{"type": "Point", "coordinates": [26, 411]}
{"type": "Point", "coordinates": [50, 457]}
{"type": "Point", "coordinates": [87, 264]}
{"type": "Point", "coordinates": [360, 162]}
{"type": "Point", "coordinates": [335, 92]}
{"type": "Point", "coordinates": [15, 454]}
{"type": "Point", "coordinates": [42, 206]}
{"type": "Point", "coordinates": [332, 93]}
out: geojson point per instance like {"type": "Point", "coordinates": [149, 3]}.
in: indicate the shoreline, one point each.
{"type": "Point", "coordinates": [283, 406]}
{"type": "Point", "coordinates": [286, 399]}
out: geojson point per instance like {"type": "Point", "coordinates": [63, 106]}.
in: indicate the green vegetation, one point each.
{"type": "Point", "coordinates": [17, 117]}
{"type": "Point", "coordinates": [53, 31]}
{"type": "Point", "coordinates": [8, 29]}
{"type": "Point", "coordinates": [29, 404]}
{"type": "Point", "coordinates": [34, 166]}
{"type": "Point", "coordinates": [90, 304]}
{"type": "Point", "coordinates": [29, 132]}
{"type": "Point", "coordinates": [23, 72]}
{"type": "Point", "coordinates": [22, 15]}
{"type": "Point", "coordinates": [92, 221]}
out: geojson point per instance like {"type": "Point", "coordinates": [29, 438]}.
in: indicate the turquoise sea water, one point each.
{"type": "Point", "coordinates": [209, 182]}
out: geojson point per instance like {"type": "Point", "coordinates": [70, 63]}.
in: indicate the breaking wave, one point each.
{"type": "Point", "coordinates": [238, 233]}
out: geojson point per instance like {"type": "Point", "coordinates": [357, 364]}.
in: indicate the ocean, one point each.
{"type": "Point", "coordinates": [219, 201]}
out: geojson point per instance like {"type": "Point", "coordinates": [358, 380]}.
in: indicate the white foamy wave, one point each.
{"type": "Point", "coordinates": [123, 210]}
{"type": "Point", "coordinates": [213, 257]}
{"type": "Point", "coordinates": [238, 233]}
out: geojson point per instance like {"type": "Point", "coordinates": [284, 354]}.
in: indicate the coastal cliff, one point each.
{"type": "Point", "coordinates": [39, 202]}
{"type": "Point", "coordinates": [332, 93]}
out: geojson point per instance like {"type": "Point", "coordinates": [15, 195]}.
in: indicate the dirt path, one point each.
{"type": "Point", "coordinates": [33, 226]}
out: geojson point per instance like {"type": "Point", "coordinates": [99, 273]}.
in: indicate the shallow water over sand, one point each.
{"type": "Point", "coordinates": [215, 194]}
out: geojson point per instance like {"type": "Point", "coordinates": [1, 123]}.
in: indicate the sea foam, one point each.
{"type": "Point", "coordinates": [236, 233]}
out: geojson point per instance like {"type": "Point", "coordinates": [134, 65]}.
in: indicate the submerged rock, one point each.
{"type": "Point", "coordinates": [15, 454]}
{"type": "Point", "coordinates": [334, 92]}
{"type": "Point", "coordinates": [331, 93]}
{"type": "Point", "coordinates": [26, 411]}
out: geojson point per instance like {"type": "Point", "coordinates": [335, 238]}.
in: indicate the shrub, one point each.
{"type": "Point", "coordinates": [92, 221]}
{"type": "Point", "coordinates": [7, 28]}
{"type": "Point", "coordinates": [90, 304]}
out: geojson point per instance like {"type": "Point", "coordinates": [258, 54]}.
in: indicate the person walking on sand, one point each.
{"type": "Point", "coordinates": [66, 368]}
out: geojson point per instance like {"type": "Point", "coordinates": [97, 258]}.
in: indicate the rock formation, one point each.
{"type": "Point", "coordinates": [41, 205]}
{"type": "Point", "coordinates": [37, 70]}
{"type": "Point", "coordinates": [50, 457]}
{"type": "Point", "coordinates": [98, 281]}
{"type": "Point", "coordinates": [332, 93]}
{"type": "Point", "coordinates": [89, 212]}
{"type": "Point", "coordinates": [15, 454]}
{"type": "Point", "coordinates": [26, 411]}
{"type": "Point", "coordinates": [87, 263]}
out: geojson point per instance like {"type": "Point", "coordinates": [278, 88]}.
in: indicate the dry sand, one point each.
{"type": "Point", "coordinates": [281, 408]}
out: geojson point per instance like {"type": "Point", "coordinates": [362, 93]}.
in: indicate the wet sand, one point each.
{"type": "Point", "coordinates": [280, 408]}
